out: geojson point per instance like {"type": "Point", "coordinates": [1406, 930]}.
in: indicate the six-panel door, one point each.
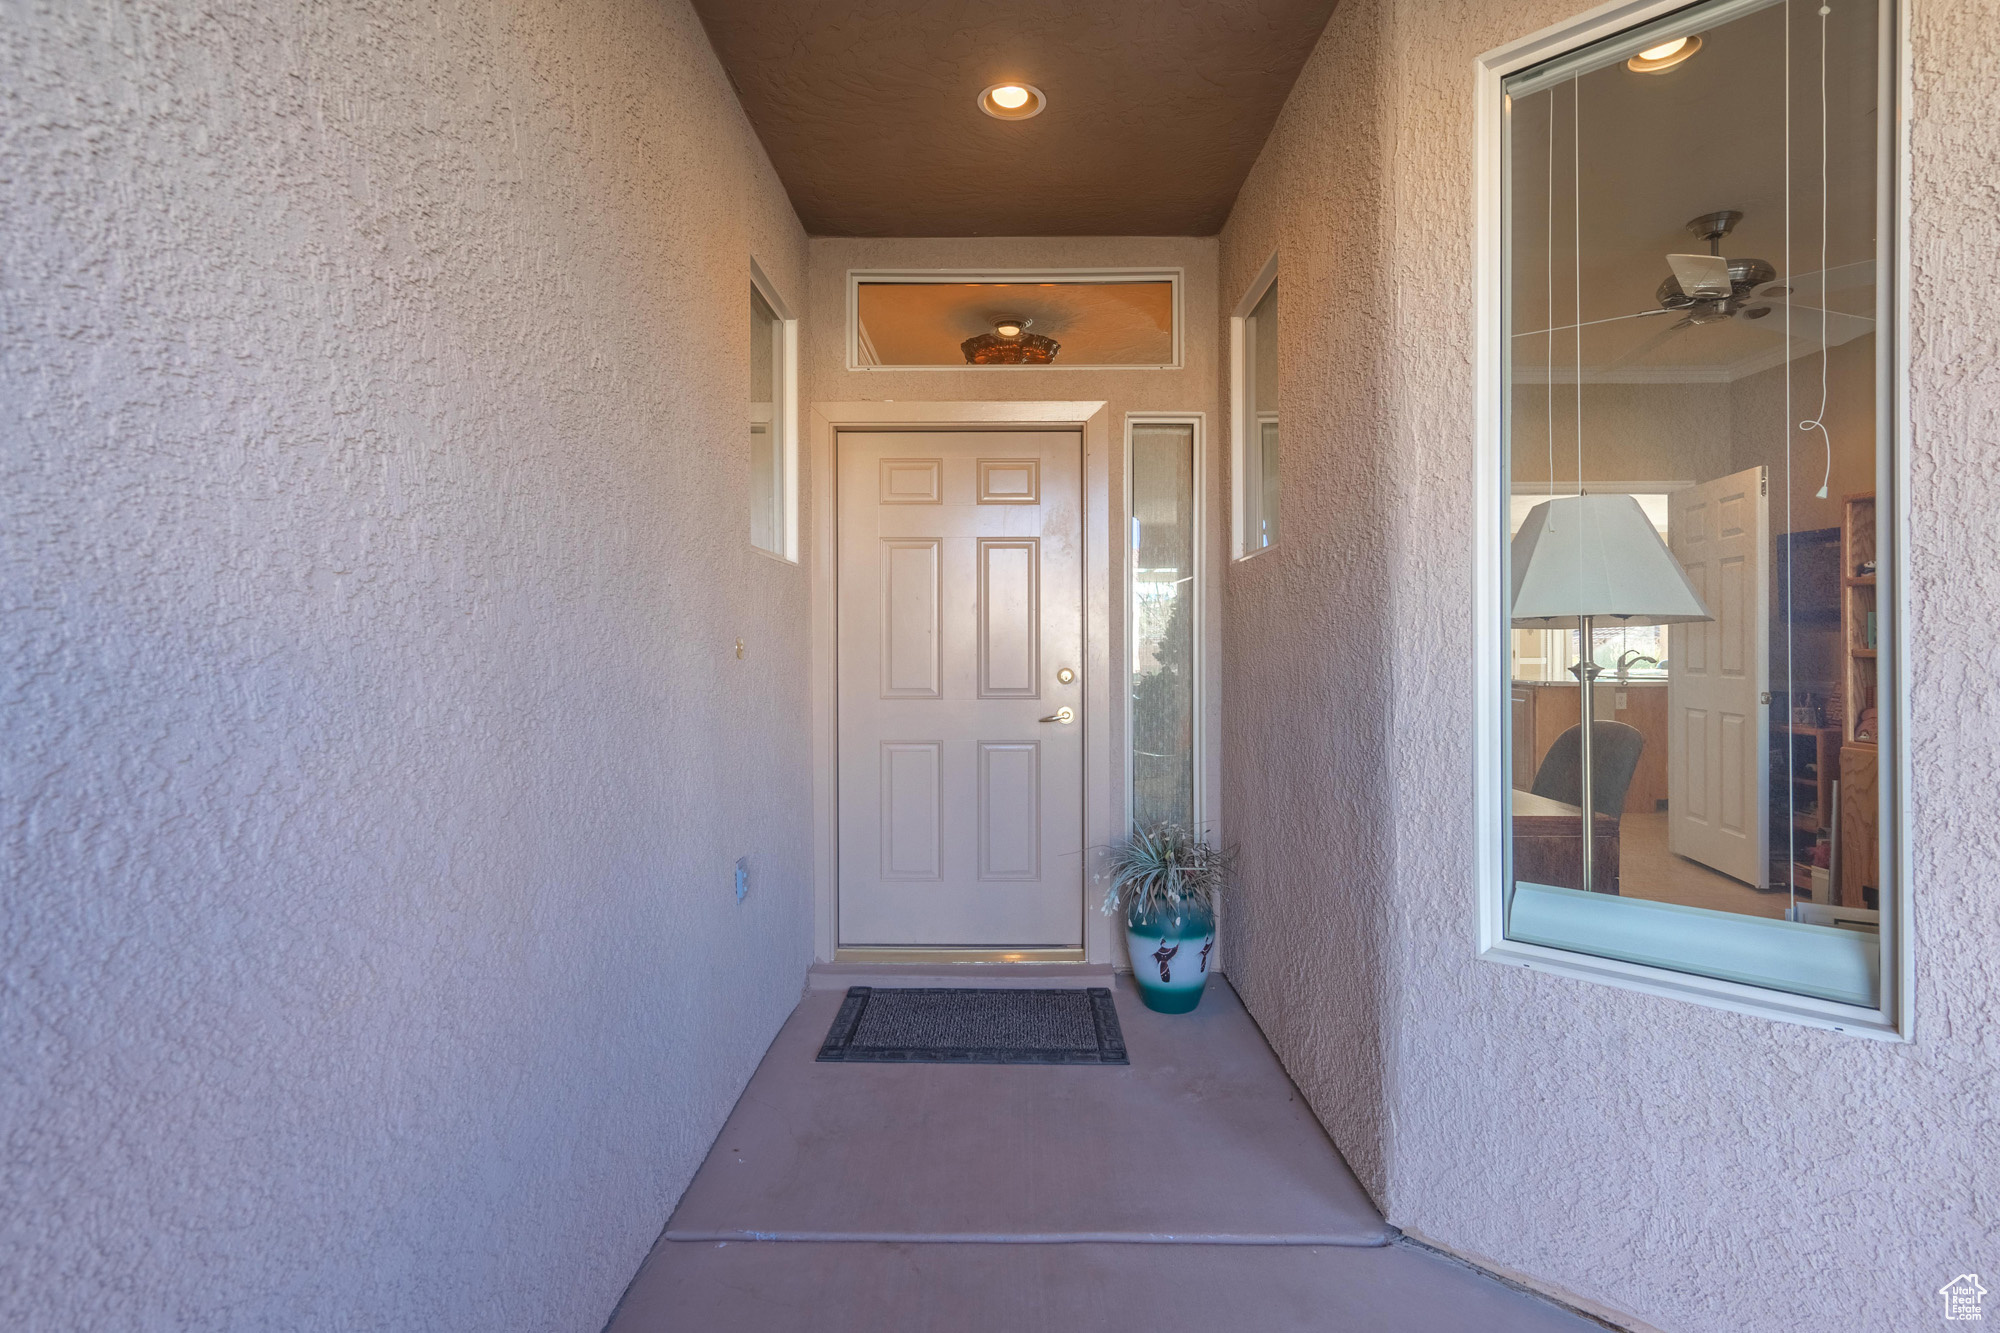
{"type": "Point", "coordinates": [960, 602]}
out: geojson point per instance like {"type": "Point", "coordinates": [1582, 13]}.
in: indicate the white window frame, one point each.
{"type": "Point", "coordinates": [1244, 432]}
{"type": "Point", "coordinates": [855, 277]}
{"type": "Point", "coordinates": [785, 396]}
{"type": "Point", "coordinates": [1893, 1018]}
{"type": "Point", "coordinates": [1198, 628]}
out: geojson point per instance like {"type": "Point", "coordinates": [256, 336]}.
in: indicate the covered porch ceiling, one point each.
{"type": "Point", "coordinates": [1155, 113]}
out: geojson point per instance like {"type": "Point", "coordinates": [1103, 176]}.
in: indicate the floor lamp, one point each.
{"type": "Point", "coordinates": [1581, 557]}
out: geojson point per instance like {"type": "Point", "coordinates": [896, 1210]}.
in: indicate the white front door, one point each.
{"type": "Point", "coordinates": [1718, 735]}
{"type": "Point", "coordinates": [961, 745]}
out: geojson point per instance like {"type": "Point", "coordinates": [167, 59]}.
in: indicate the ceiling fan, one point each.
{"type": "Point", "coordinates": [1710, 288]}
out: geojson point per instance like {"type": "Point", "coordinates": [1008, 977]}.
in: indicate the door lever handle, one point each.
{"type": "Point", "coordinates": [1064, 715]}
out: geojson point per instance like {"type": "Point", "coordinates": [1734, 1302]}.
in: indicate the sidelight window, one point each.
{"type": "Point", "coordinates": [1162, 467]}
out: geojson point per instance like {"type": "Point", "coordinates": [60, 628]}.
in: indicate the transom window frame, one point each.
{"type": "Point", "coordinates": [785, 376]}
{"type": "Point", "coordinates": [1893, 1019]}
{"type": "Point", "coordinates": [855, 277]}
{"type": "Point", "coordinates": [1244, 426]}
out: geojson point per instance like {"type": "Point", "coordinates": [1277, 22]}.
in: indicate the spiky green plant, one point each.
{"type": "Point", "coordinates": [1164, 871]}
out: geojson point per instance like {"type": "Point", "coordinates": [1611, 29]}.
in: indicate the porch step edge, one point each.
{"type": "Point", "coordinates": [839, 976]}
{"type": "Point", "coordinates": [1356, 1240]}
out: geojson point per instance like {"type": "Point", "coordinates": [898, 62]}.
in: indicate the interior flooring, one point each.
{"type": "Point", "coordinates": [1191, 1189]}
{"type": "Point", "coordinates": [1646, 869]}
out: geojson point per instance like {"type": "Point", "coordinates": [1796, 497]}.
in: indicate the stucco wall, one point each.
{"type": "Point", "coordinates": [1306, 677]}
{"type": "Point", "coordinates": [1699, 1171]}
{"type": "Point", "coordinates": [373, 382]}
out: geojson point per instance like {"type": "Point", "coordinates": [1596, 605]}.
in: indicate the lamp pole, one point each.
{"type": "Point", "coordinates": [1586, 672]}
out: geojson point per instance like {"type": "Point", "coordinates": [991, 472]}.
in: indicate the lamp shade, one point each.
{"type": "Point", "coordinates": [1597, 555]}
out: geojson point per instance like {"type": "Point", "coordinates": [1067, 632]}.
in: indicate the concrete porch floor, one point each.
{"type": "Point", "coordinates": [1192, 1189]}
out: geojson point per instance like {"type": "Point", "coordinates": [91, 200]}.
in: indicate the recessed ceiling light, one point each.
{"type": "Point", "coordinates": [1011, 328]}
{"type": "Point", "coordinates": [1012, 101]}
{"type": "Point", "coordinates": [1657, 59]}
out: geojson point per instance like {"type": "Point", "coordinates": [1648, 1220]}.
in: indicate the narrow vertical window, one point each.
{"type": "Point", "coordinates": [1164, 578]}
{"type": "Point", "coordinates": [773, 407]}
{"type": "Point", "coordinates": [1254, 353]}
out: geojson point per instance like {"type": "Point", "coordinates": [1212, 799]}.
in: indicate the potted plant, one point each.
{"type": "Point", "coordinates": [1164, 882]}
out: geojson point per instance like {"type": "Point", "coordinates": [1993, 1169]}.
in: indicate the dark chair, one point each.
{"type": "Point", "coordinates": [1614, 756]}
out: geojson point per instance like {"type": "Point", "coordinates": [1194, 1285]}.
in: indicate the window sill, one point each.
{"type": "Point", "coordinates": [1658, 981]}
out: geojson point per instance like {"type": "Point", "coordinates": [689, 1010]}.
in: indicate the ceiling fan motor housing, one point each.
{"type": "Point", "coordinates": [1745, 276]}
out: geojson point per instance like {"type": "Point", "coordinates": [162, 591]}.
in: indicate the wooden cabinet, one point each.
{"type": "Point", "coordinates": [1858, 853]}
{"type": "Point", "coordinates": [1525, 755]}
{"type": "Point", "coordinates": [1857, 847]}
{"type": "Point", "coordinates": [1801, 793]}
{"type": "Point", "coordinates": [1548, 845]}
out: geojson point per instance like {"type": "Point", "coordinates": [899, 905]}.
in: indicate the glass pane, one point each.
{"type": "Point", "coordinates": [1692, 305]}
{"type": "Point", "coordinates": [1015, 323]}
{"type": "Point", "coordinates": [1163, 624]}
{"type": "Point", "coordinates": [1260, 361]}
{"type": "Point", "coordinates": [767, 473]}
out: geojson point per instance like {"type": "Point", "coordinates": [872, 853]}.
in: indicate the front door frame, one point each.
{"type": "Point", "coordinates": [1103, 768]}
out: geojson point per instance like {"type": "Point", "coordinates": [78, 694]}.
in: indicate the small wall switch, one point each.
{"type": "Point", "coordinates": [739, 657]}
{"type": "Point", "coordinates": [742, 877]}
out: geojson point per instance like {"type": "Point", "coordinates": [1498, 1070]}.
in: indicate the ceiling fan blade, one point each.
{"type": "Point", "coordinates": [1840, 326]}
{"type": "Point", "coordinates": [1647, 346]}
{"type": "Point", "coordinates": [1814, 284]}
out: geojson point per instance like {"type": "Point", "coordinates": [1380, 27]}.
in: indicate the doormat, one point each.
{"type": "Point", "coordinates": [976, 1027]}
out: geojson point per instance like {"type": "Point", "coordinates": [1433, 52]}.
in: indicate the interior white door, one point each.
{"type": "Point", "coordinates": [1718, 732]}
{"type": "Point", "coordinates": [961, 745]}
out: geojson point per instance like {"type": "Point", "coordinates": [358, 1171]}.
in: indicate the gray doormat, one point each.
{"type": "Point", "coordinates": [976, 1027]}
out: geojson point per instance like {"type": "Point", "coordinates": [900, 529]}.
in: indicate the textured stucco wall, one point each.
{"type": "Point", "coordinates": [1306, 704]}
{"type": "Point", "coordinates": [372, 382]}
{"type": "Point", "coordinates": [1701, 1171]}
{"type": "Point", "coordinates": [1192, 388]}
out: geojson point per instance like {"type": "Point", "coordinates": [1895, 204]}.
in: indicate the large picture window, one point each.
{"type": "Point", "coordinates": [1689, 263]}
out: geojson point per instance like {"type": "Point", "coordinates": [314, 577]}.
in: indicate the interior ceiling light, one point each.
{"type": "Point", "coordinates": [1656, 59]}
{"type": "Point", "coordinates": [1012, 101]}
{"type": "Point", "coordinates": [1010, 344]}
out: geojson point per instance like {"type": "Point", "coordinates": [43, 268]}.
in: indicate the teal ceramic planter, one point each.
{"type": "Point", "coordinates": [1170, 957]}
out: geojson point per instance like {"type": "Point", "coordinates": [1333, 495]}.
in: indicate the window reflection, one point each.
{"type": "Point", "coordinates": [1675, 339]}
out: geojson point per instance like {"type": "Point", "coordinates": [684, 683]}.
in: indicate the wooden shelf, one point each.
{"type": "Point", "coordinates": [1856, 840]}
